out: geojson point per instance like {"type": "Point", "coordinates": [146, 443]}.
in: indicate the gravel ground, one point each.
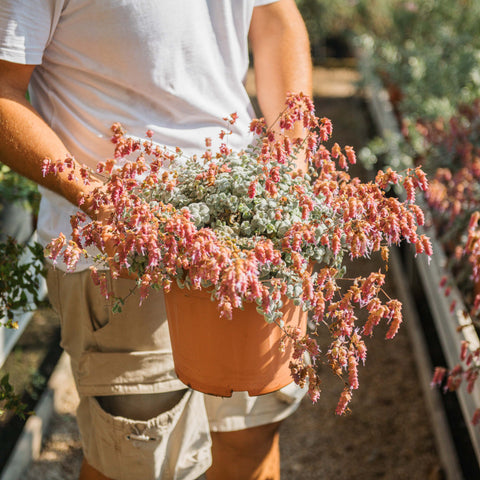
{"type": "Point", "coordinates": [388, 433]}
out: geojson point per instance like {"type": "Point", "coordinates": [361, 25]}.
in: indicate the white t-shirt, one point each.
{"type": "Point", "coordinates": [176, 67]}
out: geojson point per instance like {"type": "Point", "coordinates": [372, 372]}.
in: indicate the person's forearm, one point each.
{"type": "Point", "coordinates": [282, 60]}
{"type": "Point", "coordinates": [26, 140]}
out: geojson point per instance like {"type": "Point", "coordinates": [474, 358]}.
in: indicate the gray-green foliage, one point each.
{"type": "Point", "coordinates": [225, 206]}
{"type": "Point", "coordinates": [19, 279]}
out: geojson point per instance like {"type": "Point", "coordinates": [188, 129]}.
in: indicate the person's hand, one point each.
{"type": "Point", "coordinates": [104, 215]}
{"type": "Point", "coordinates": [110, 249]}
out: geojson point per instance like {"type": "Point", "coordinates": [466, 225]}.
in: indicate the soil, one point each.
{"type": "Point", "coordinates": [387, 434]}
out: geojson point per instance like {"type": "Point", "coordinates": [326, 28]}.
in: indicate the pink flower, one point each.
{"type": "Point", "coordinates": [252, 188]}
{"type": "Point", "coordinates": [345, 398]}
{"type": "Point", "coordinates": [438, 376]}
{"type": "Point", "coordinates": [351, 155]}
{"type": "Point", "coordinates": [476, 417]}
{"type": "Point", "coordinates": [353, 372]}
{"type": "Point", "coordinates": [55, 247]}
{"type": "Point", "coordinates": [395, 313]}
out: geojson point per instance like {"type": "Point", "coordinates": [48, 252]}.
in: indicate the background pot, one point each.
{"type": "Point", "coordinates": [218, 356]}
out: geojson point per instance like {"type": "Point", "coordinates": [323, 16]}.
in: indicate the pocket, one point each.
{"type": "Point", "coordinates": [136, 327]}
{"type": "Point", "coordinates": [173, 445]}
{"type": "Point", "coordinates": [53, 290]}
{"type": "Point", "coordinates": [113, 373]}
{"type": "Point", "coordinates": [100, 308]}
{"type": "Point", "coordinates": [81, 307]}
{"type": "Point", "coordinates": [70, 292]}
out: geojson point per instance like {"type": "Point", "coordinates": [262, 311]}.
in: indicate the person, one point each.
{"type": "Point", "coordinates": [175, 67]}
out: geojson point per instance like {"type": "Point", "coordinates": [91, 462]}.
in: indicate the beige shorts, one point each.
{"type": "Point", "coordinates": [126, 354]}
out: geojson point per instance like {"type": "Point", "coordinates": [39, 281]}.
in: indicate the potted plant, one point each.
{"type": "Point", "coordinates": [246, 228]}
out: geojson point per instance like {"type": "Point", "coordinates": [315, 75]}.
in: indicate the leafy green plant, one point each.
{"type": "Point", "coordinates": [19, 279]}
{"type": "Point", "coordinates": [16, 188]}
{"type": "Point", "coordinates": [9, 400]}
{"type": "Point", "coordinates": [343, 18]}
{"type": "Point", "coordinates": [21, 268]}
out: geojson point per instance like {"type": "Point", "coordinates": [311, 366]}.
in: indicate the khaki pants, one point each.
{"type": "Point", "coordinates": [122, 355]}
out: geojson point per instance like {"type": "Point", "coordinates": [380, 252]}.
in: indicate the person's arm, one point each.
{"type": "Point", "coordinates": [281, 53]}
{"type": "Point", "coordinates": [26, 140]}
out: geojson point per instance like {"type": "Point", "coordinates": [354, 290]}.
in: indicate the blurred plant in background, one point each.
{"type": "Point", "coordinates": [429, 57]}
{"type": "Point", "coordinates": [429, 62]}
{"type": "Point", "coordinates": [16, 188]}
{"type": "Point", "coordinates": [19, 199]}
{"type": "Point", "coordinates": [21, 265]}
{"type": "Point", "coordinates": [341, 19]}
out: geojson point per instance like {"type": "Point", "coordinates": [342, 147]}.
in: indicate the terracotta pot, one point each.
{"type": "Point", "coordinates": [219, 356]}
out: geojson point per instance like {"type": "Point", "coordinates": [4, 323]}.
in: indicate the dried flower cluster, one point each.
{"type": "Point", "coordinates": [20, 278]}
{"type": "Point", "coordinates": [248, 225]}
{"type": "Point", "coordinates": [433, 95]}
{"type": "Point", "coordinates": [467, 371]}
{"type": "Point", "coordinates": [451, 151]}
